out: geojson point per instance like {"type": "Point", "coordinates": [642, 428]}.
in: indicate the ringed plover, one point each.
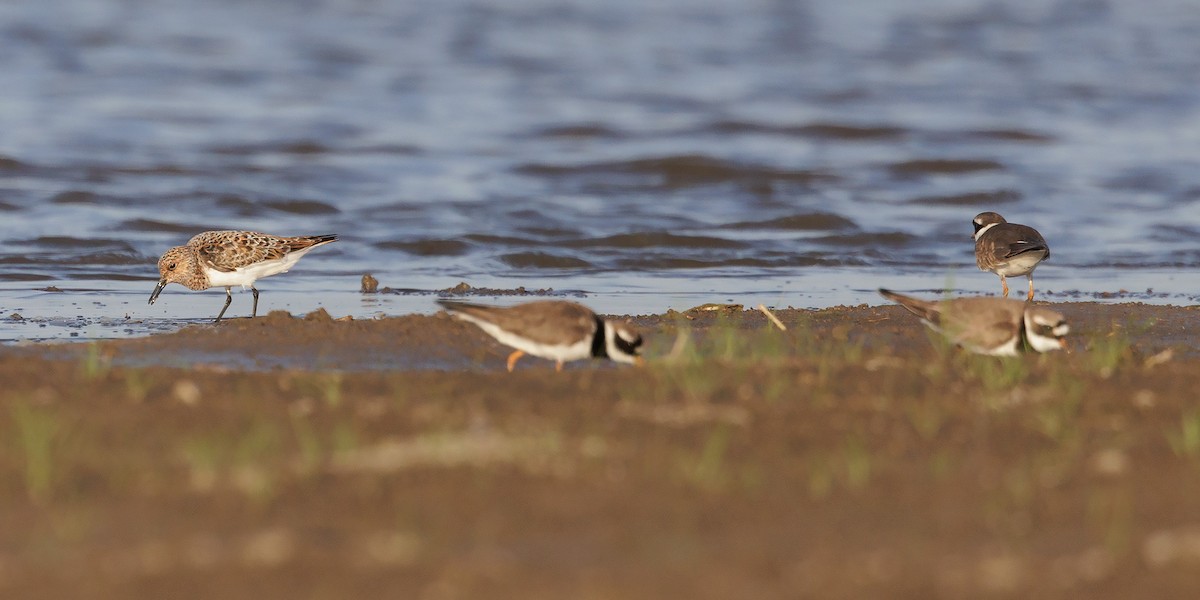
{"type": "Point", "coordinates": [555, 329]}
{"type": "Point", "coordinates": [1008, 249]}
{"type": "Point", "coordinates": [992, 326]}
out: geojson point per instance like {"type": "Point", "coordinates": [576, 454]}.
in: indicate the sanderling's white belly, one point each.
{"type": "Point", "coordinates": [247, 275]}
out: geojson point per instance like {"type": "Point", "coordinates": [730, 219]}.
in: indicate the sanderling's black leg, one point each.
{"type": "Point", "coordinates": [228, 299]}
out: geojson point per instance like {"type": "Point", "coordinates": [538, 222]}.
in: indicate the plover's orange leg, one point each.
{"type": "Point", "coordinates": [1004, 283]}
{"type": "Point", "coordinates": [1030, 298]}
{"type": "Point", "coordinates": [558, 367]}
{"type": "Point", "coordinates": [512, 359]}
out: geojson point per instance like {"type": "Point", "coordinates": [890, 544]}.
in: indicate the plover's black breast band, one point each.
{"type": "Point", "coordinates": [599, 348]}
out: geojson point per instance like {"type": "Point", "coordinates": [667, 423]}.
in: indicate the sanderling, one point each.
{"type": "Point", "coordinates": [229, 258]}
{"type": "Point", "coordinates": [555, 329]}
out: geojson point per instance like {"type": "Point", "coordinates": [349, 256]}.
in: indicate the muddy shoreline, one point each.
{"type": "Point", "coordinates": [851, 456]}
{"type": "Point", "coordinates": [320, 341]}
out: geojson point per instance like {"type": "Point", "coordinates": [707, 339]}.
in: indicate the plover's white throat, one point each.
{"type": "Point", "coordinates": [993, 326]}
{"type": "Point", "coordinates": [555, 329]}
{"type": "Point", "coordinates": [229, 258]}
{"type": "Point", "coordinates": [1008, 249]}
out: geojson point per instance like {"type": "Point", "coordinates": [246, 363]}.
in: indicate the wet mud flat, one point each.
{"type": "Point", "coordinates": [851, 456]}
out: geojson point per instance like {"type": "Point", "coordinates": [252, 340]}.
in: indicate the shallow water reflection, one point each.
{"type": "Point", "coordinates": [789, 152]}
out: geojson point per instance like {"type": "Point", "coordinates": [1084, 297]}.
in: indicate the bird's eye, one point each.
{"type": "Point", "coordinates": [171, 267]}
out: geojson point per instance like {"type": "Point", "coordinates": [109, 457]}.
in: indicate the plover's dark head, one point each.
{"type": "Point", "coordinates": [1045, 329]}
{"type": "Point", "coordinates": [623, 343]}
{"type": "Point", "coordinates": [985, 220]}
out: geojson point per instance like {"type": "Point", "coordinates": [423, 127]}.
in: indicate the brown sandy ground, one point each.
{"type": "Point", "coordinates": [851, 457]}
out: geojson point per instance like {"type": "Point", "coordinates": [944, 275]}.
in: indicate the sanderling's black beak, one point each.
{"type": "Point", "coordinates": [162, 283]}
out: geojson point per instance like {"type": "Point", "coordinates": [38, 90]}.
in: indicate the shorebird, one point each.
{"type": "Point", "coordinates": [229, 258]}
{"type": "Point", "coordinates": [1008, 249]}
{"type": "Point", "coordinates": [992, 326]}
{"type": "Point", "coordinates": [555, 329]}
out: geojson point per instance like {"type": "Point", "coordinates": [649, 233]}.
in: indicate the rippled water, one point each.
{"type": "Point", "coordinates": [647, 155]}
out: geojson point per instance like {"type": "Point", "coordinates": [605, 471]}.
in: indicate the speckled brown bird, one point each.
{"type": "Point", "coordinates": [229, 258]}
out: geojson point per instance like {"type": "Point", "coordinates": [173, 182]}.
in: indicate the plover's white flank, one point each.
{"type": "Point", "coordinates": [229, 258]}
{"type": "Point", "coordinates": [993, 326]}
{"type": "Point", "coordinates": [555, 329]}
{"type": "Point", "coordinates": [1008, 249]}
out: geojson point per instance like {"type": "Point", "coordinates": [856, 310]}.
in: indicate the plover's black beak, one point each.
{"type": "Point", "coordinates": [162, 283]}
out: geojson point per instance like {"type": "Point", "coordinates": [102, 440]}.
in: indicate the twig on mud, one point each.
{"type": "Point", "coordinates": [772, 317]}
{"type": "Point", "coordinates": [1162, 357]}
{"type": "Point", "coordinates": [681, 341]}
